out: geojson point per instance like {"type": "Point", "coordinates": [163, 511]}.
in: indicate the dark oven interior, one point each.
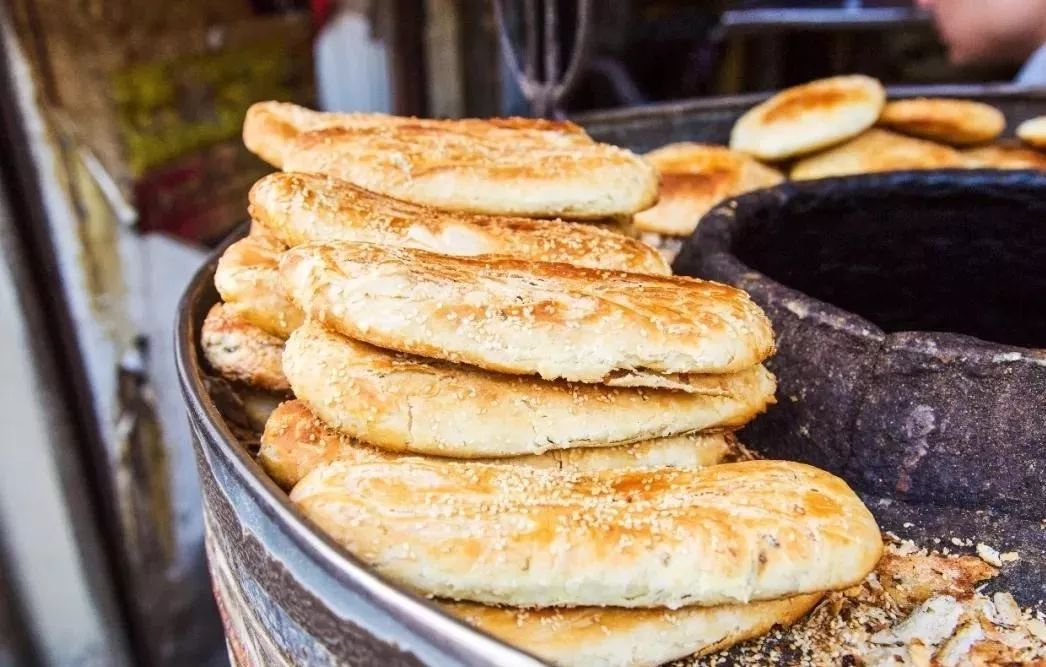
{"type": "Point", "coordinates": [967, 260]}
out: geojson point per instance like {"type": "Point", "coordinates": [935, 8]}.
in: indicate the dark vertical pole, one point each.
{"type": "Point", "coordinates": [406, 23]}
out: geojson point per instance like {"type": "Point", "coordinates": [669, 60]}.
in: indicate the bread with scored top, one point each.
{"type": "Point", "coordinates": [270, 127]}
{"type": "Point", "coordinates": [296, 441]}
{"type": "Point", "coordinates": [512, 316]}
{"type": "Point", "coordinates": [405, 403]}
{"type": "Point", "coordinates": [526, 537]}
{"type": "Point", "coordinates": [463, 170]}
{"type": "Point", "coordinates": [298, 208]}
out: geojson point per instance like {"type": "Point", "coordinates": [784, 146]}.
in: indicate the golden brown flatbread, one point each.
{"type": "Point", "coordinates": [242, 352]}
{"type": "Point", "coordinates": [810, 117]}
{"type": "Point", "coordinates": [270, 127]}
{"type": "Point", "coordinates": [297, 208]}
{"type": "Point", "coordinates": [669, 537]}
{"type": "Point", "coordinates": [951, 121]}
{"type": "Point", "coordinates": [248, 280]}
{"type": "Point", "coordinates": [296, 442]}
{"type": "Point", "coordinates": [463, 170]}
{"type": "Point", "coordinates": [696, 177]}
{"type": "Point", "coordinates": [613, 637]}
{"type": "Point", "coordinates": [511, 316]}
{"type": "Point", "coordinates": [1033, 132]}
{"type": "Point", "coordinates": [405, 403]}
{"type": "Point", "coordinates": [1005, 155]}
{"type": "Point", "coordinates": [876, 151]}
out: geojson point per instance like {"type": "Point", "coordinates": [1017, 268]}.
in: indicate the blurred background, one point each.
{"type": "Point", "coordinates": [121, 166]}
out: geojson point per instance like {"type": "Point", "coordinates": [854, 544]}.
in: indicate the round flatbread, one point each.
{"type": "Point", "coordinates": [876, 151]}
{"type": "Point", "coordinates": [1005, 156]}
{"type": "Point", "coordinates": [1033, 132]}
{"type": "Point", "coordinates": [612, 637]}
{"type": "Point", "coordinates": [956, 122]}
{"type": "Point", "coordinates": [296, 442]}
{"type": "Point", "coordinates": [696, 177]}
{"type": "Point", "coordinates": [464, 170]}
{"type": "Point", "coordinates": [650, 537]}
{"type": "Point", "coordinates": [242, 352]}
{"type": "Point", "coordinates": [297, 208]}
{"type": "Point", "coordinates": [248, 280]}
{"type": "Point", "coordinates": [511, 316]}
{"type": "Point", "coordinates": [809, 117]}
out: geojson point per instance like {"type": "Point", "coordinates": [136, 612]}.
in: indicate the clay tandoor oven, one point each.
{"type": "Point", "coordinates": [910, 314]}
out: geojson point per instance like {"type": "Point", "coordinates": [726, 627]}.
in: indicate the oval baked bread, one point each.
{"type": "Point", "coordinates": [807, 118]}
{"type": "Point", "coordinates": [878, 150]}
{"type": "Point", "coordinates": [464, 170]}
{"type": "Point", "coordinates": [957, 122]}
{"type": "Point", "coordinates": [696, 177]}
{"type": "Point", "coordinates": [672, 537]}
{"type": "Point", "coordinates": [1033, 132]}
{"type": "Point", "coordinates": [242, 352]}
{"type": "Point", "coordinates": [405, 403]}
{"type": "Point", "coordinates": [248, 280]}
{"type": "Point", "coordinates": [270, 127]}
{"type": "Point", "coordinates": [611, 637]}
{"type": "Point", "coordinates": [297, 208]}
{"type": "Point", "coordinates": [1004, 155]}
{"type": "Point", "coordinates": [554, 320]}
{"type": "Point", "coordinates": [296, 441]}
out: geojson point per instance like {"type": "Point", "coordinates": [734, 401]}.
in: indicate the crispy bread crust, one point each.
{"type": "Point", "coordinates": [297, 208]}
{"type": "Point", "coordinates": [807, 118]}
{"type": "Point", "coordinates": [248, 281]}
{"type": "Point", "coordinates": [670, 537]}
{"type": "Point", "coordinates": [270, 127]}
{"type": "Point", "coordinates": [612, 637]}
{"type": "Point", "coordinates": [696, 177]}
{"type": "Point", "coordinates": [554, 320]}
{"type": "Point", "coordinates": [878, 150]}
{"type": "Point", "coordinates": [476, 172]}
{"type": "Point", "coordinates": [242, 352]}
{"type": "Point", "coordinates": [957, 122]}
{"type": "Point", "coordinates": [404, 403]}
{"type": "Point", "coordinates": [296, 441]}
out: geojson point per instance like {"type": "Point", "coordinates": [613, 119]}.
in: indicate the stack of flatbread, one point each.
{"type": "Point", "coordinates": [832, 127]}
{"type": "Point", "coordinates": [527, 420]}
{"type": "Point", "coordinates": [243, 336]}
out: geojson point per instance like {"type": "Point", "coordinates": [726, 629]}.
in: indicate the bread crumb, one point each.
{"type": "Point", "coordinates": [988, 554]}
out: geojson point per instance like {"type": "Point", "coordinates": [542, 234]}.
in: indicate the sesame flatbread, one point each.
{"type": "Point", "coordinates": [878, 150]}
{"type": "Point", "coordinates": [696, 177]}
{"type": "Point", "coordinates": [807, 118]}
{"type": "Point", "coordinates": [956, 122]}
